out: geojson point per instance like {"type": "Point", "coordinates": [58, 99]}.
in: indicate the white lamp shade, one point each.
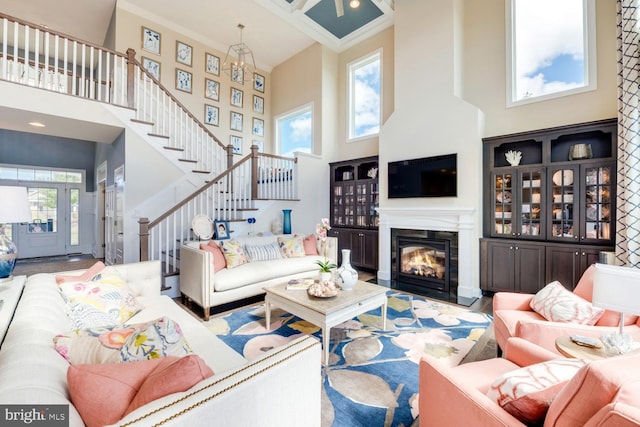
{"type": "Point", "coordinates": [14, 205]}
{"type": "Point", "coordinates": [617, 288]}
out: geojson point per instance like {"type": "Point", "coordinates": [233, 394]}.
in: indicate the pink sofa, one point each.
{"type": "Point", "coordinates": [604, 393]}
{"type": "Point", "coordinates": [513, 317]}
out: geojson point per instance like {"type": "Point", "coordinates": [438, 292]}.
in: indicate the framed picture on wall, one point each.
{"type": "Point", "coordinates": [236, 141]}
{"type": "Point", "coordinates": [150, 40]}
{"type": "Point", "coordinates": [258, 126]}
{"type": "Point", "coordinates": [212, 64]}
{"type": "Point", "coordinates": [184, 53]}
{"type": "Point", "coordinates": [211, 89]}
{"type": "Point", "coordinates": [237, 74]}
{"type": "Point", "coordinates": [211, 115]}
{"type": "Point", "coordinates": [153, 67]}
{"type": "Point", "coordinates": [260, 146]}
{"type": "Point", "coordinates": [236, 97]}
{"type": "Point", "coordinates": [258, 104]}
{"type": "Point", "coordinates": [183, 80]}
{"type": "Point", "coordinates": [258, 82]}
{"type": "Point", "coordinates": [236, 121]}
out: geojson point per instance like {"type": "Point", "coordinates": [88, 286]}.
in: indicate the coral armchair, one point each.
{"type": "Point", "coordinates": [514, 317]}
{"type": "Point", "coordinates": [604, 393]}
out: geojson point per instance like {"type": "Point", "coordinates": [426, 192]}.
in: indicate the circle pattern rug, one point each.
{"type": "Point", "coordinates": [372, 376]}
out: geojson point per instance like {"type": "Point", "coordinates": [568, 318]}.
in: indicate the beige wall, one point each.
{"type": "Point", "coordinates": [129, 35]}
{"type": "Point", "coordinates": [485, 74]}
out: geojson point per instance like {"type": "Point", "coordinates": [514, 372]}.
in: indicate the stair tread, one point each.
{"type": "Point", "coordinates": [144, 122]}
{"type": "Point", "coordinates": [188, 160]}
{"type": "Point", "coordinates": [173, 148]}
{"type": "Point", "coordinates": [158, 135]}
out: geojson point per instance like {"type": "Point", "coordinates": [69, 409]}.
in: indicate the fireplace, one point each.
{"type": "Point", "coordinates": [425, 262]}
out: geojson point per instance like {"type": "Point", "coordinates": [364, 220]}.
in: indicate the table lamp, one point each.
{"type": "Point", "coordinates": [14, 207]}
{"type": "Point", "coordinates": [617, 288]}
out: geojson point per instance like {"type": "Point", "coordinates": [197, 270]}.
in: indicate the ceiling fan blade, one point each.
{"type": "Point", "coordinates": [339, 8]}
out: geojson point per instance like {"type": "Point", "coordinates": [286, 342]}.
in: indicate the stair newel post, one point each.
{"type": "Point", "coordinates": [144, 238]}
{"type": "Point", "coordinates": [254, 172]}
{"type": "Point", "coordinates": [131, 72]}
{"type": "Point", "coordinates": [229, 188]}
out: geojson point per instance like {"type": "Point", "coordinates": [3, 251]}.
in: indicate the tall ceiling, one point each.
{"type": "Point", "coordinates": [274, 29]}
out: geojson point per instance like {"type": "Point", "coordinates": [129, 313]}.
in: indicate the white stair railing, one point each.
{"type": "Point", "coordinates": [33, 55]}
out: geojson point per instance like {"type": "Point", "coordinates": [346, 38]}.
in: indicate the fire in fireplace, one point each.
{"type": "Point", "coordinates": [424, 262]}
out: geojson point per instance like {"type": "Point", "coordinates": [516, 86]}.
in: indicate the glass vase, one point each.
{"type": "Point", "coordinates": [286, 221]}
{"type": "Point", "coordinates": [347, 275]}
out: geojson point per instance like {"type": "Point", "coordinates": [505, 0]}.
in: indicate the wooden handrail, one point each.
{"type": "Point", "coordinates": [198, 191]}
{"type": "Point", "coordinates": [131, 58]}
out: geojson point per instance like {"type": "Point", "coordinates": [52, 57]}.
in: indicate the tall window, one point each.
{"type": "Point", "coordinates": [365, 93]}
{"type": "Point", "coordinates": [294, 131]}
{"type": "Point", "coordinates": [551, 49]}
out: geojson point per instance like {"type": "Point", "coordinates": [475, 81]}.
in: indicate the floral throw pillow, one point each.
{"type": "Point", "coordinates": [233, 253]}
{"type": "Point", "coordinates": [104, 300]}
{"type": "Point", "coordinates": [292, 247]}
{"type": "Point", "coordinates": [122, 343]}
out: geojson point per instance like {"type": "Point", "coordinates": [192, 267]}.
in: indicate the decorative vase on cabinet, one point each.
{"type": "Point", "coordinates": [347, 276]}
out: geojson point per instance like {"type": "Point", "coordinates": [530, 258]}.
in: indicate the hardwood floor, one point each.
{"type": "Point", "coordinates": [484, 304]}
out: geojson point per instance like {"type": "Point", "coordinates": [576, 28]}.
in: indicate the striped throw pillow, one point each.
{"type": "Point", "coordinates": [266, 252]}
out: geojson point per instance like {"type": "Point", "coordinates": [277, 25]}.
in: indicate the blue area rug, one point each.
{"type": "Point", "coordinates": [372, 377]}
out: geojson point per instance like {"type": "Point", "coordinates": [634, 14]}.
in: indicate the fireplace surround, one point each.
{"type": "Point", "coordinates": [461, 221]}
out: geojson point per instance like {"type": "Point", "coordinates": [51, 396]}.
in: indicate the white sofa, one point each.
{"type": "Point", "coordinates": [207, 288]}
{"type": "Point", "coordinates": [280, 388]}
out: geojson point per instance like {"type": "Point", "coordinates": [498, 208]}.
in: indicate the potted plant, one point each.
{"type": "Point", "coordinates": [325, 265]}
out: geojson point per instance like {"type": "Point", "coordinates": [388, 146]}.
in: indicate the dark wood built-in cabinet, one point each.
{"type": "Point", "coordinates": [548, 217]}
{"type": "Point", "coordinates": [354, 199]}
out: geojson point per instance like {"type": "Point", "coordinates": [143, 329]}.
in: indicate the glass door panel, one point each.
{"type": "Point", "coordinates": [597, 204]}
{"type": "Point", "coordinates": [563, 223]}
{"type": "Point", "coordinates": [531, 203]}
{"type": "Point", "coordinates": [503, 212]}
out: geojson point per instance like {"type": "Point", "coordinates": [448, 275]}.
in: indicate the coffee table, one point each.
{"type": "Point", "coordinates": [327, 312]}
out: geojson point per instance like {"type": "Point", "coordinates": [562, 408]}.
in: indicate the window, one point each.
{"type": "Point", "coordinates": [550, 49]}
{"type": "Point", "coordinates": [294, 131]}
{"type": "Point", "coordinates": [364, 96]}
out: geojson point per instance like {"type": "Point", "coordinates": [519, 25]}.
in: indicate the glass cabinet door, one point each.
{"type": "Point", "coordinates": [564, 225]}
{"type": "Point", "coordinates": [531, 221]}
{"type": "Point", "coordinates": [503, 206]}
{"type": "Point", "coordinates": [598, 206]}
{"type": "Point", "coordinates": [343, 208]}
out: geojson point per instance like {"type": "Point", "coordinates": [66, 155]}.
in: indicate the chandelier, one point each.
{"type": "Point", "coordinates": [239, 63]}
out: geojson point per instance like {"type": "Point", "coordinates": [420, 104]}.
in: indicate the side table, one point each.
{"type": "Point", "coordinates": [10, 293]}
{"type": "Point", "coordinates": [568, 348]}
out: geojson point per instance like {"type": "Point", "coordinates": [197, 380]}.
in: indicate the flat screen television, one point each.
{"type": "Point", "coordinates": [424, 177]}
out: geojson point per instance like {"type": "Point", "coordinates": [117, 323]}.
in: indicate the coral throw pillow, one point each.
{"type": "Point", "coordinates": [105, 393]}
{"type": "Point", "coordinates": [233, 253]}
{"type": "Point", "coordinates": [103, 300]}
{"type": "Point", "coordinates": [123, 343]}
{"type": "Point", "coordinates": [527, 393]}
{"type": "Point", "coordinates": [557, 304]}
{"type": "Point", "coordinates": [219, 262]}
{"type": "Point", "coordinates": [87, 275]}
{"type": "Point", "coordinates": [310, 245]}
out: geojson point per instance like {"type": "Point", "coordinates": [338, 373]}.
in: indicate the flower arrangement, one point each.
{"type": "Point", "coordinates": [321, 231]}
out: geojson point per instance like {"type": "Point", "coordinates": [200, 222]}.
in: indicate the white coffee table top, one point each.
{"type": "Point", "coordinates": [360, 292]}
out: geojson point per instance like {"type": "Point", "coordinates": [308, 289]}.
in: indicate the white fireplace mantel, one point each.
{"type": "Point", "coordinates": [460, 220]}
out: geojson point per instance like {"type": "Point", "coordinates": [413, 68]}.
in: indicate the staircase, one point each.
{"type": "Point", "coordinates": [35, 56]}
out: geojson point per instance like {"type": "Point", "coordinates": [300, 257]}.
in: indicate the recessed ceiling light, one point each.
{"type": "Point", "coordinates": [37, 124]}
{"type": "Point", "coordinates": [354, 3]}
